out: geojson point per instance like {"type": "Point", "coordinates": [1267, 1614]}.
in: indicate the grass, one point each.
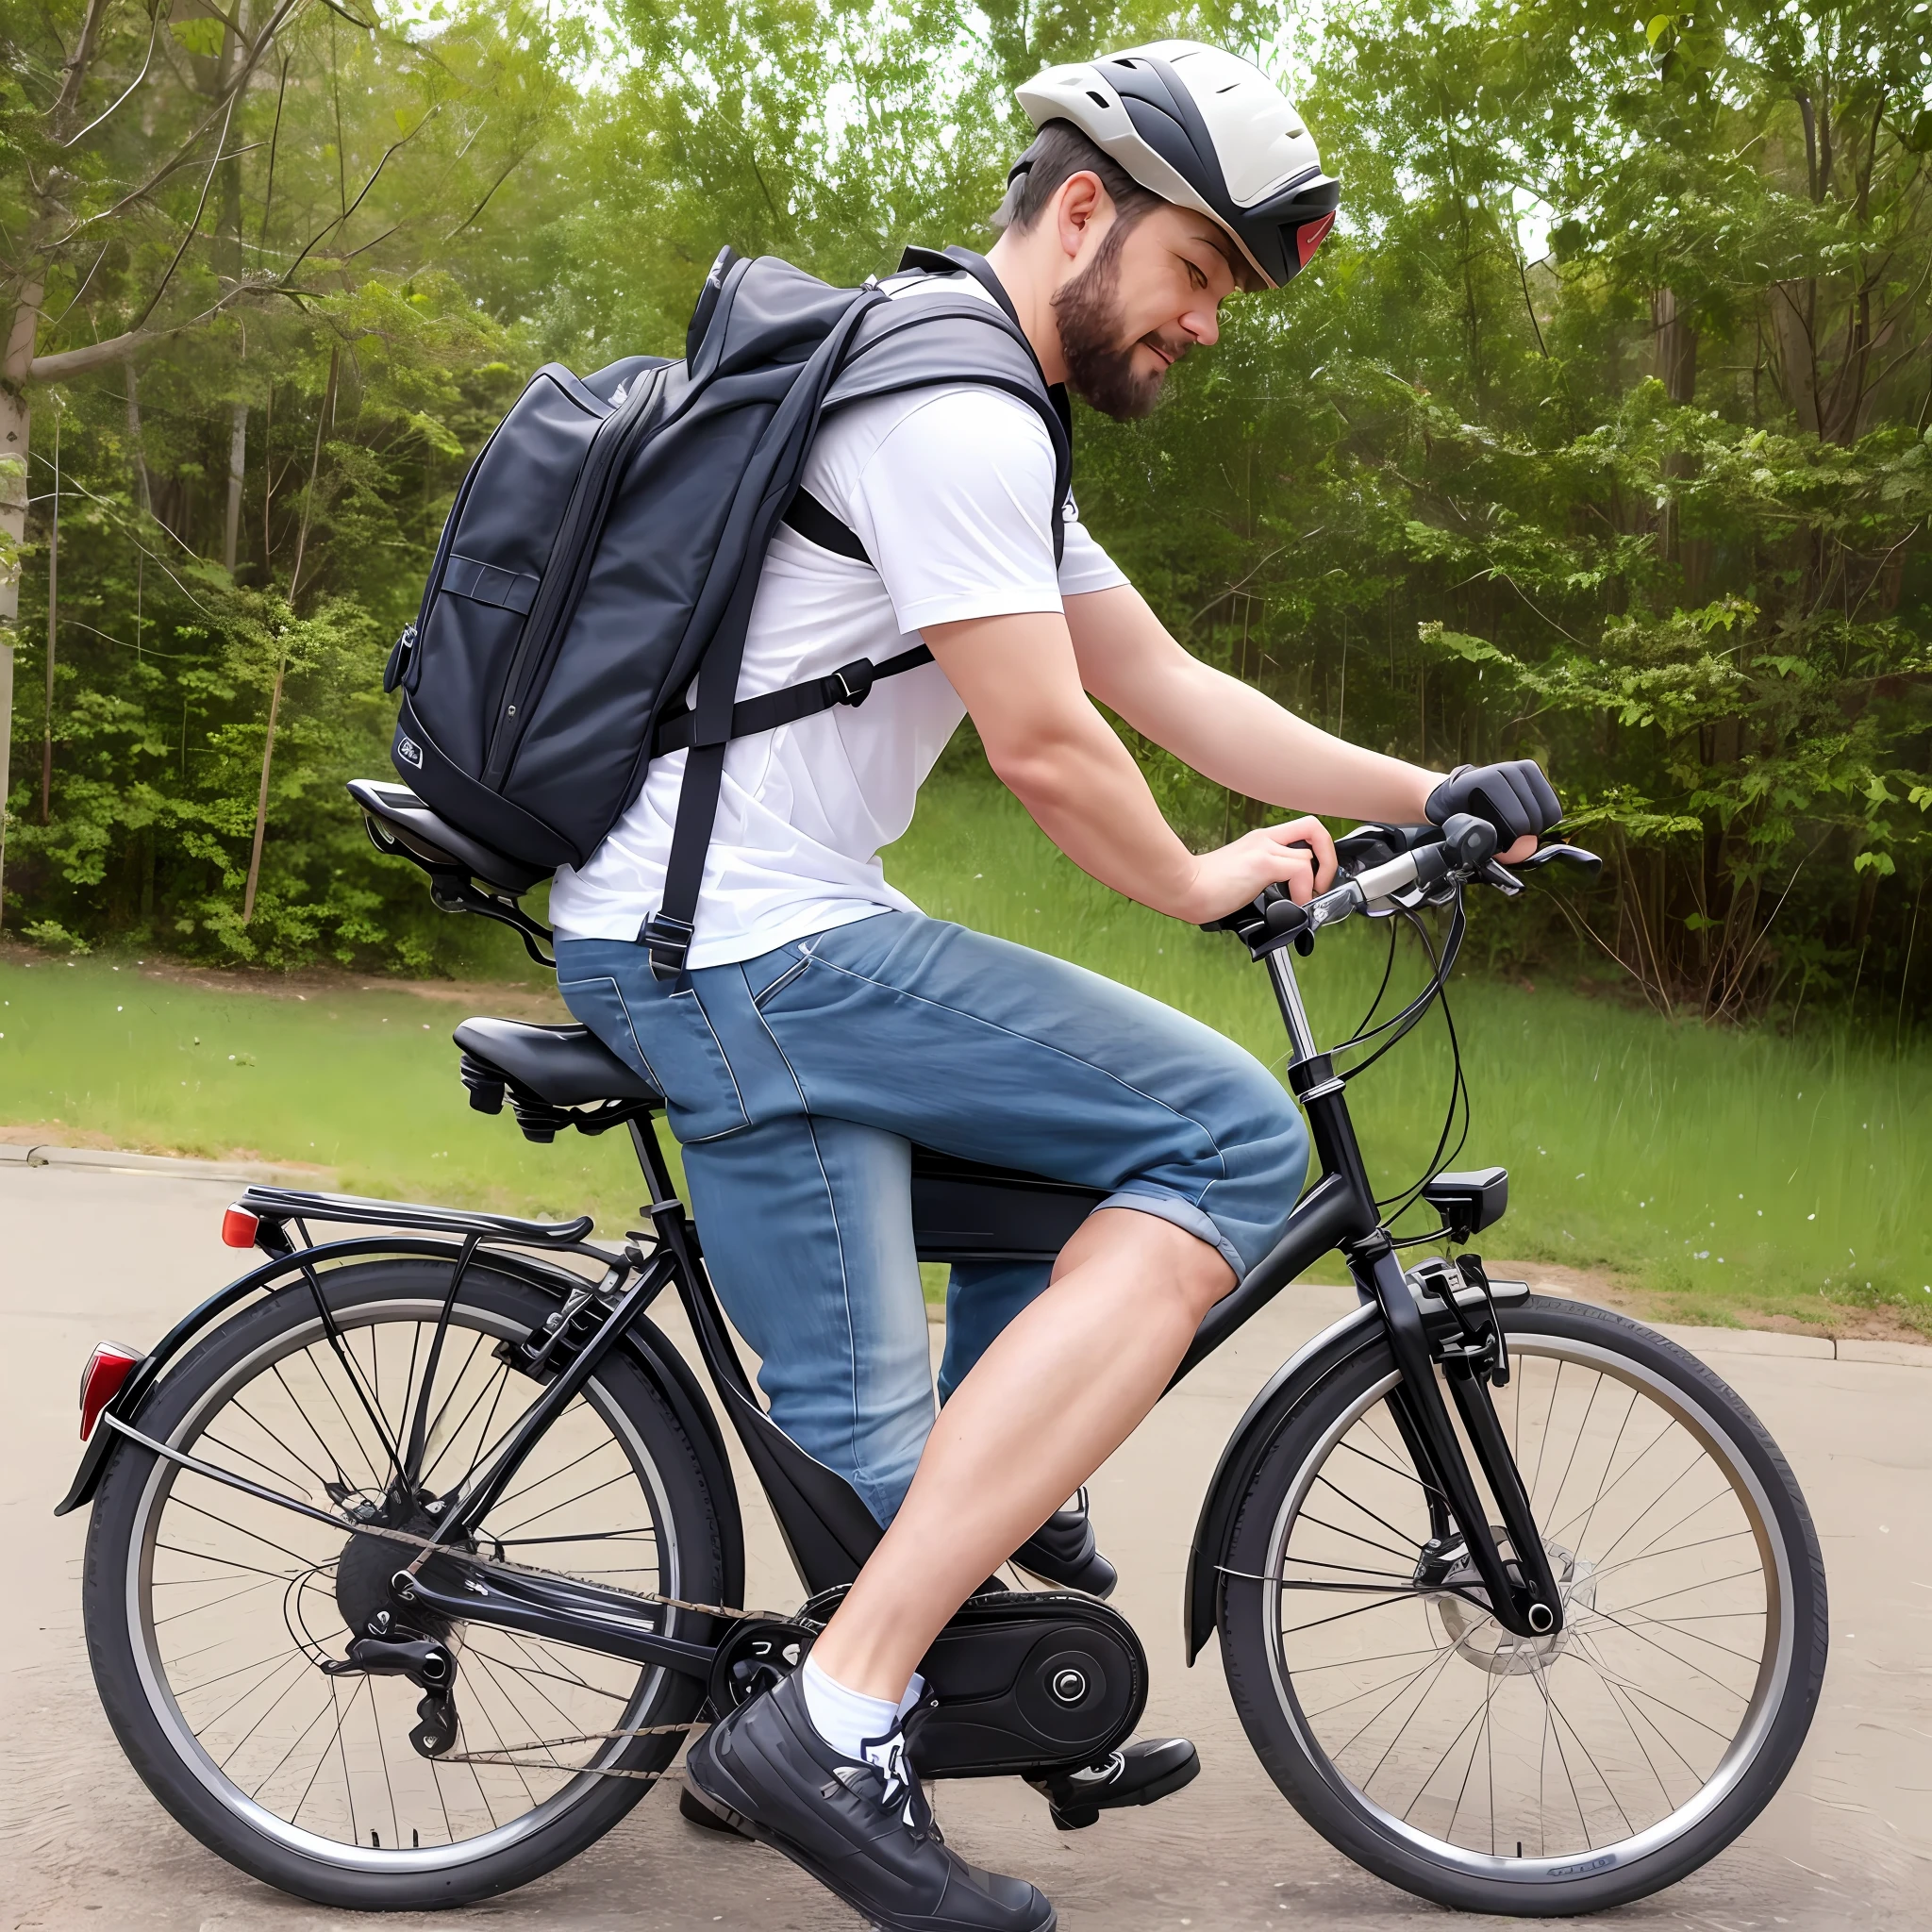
{"type": "Point", "coordinates": [1726, 1175]}
{"type": "Point", "coordinates": [343, 1074]}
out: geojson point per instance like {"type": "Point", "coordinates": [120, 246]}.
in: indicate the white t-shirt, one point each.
{"type": "Point", "coordinates": [951, 491]}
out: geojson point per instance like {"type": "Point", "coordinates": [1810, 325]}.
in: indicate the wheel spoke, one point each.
{"type": "Point", "coordinates": [240, 1615]}
{"type": "Point", "coordinates": [1566, 1744]}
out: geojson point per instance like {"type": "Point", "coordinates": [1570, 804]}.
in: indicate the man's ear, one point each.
{"type": "Point", "coordinates": [1081, 209]}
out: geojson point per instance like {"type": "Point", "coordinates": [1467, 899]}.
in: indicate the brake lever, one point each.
{"type": "Point", "coordinates": [1260, 911]}
{"type": "Point", "coordinates": [1588, 863]}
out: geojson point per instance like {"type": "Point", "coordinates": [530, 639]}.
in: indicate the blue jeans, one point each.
{"type": "Point", "coordinates": [797, 1082]}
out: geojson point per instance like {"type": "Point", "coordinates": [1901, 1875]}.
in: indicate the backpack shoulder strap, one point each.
{"type": "Point", "coordinates": [940, 338]}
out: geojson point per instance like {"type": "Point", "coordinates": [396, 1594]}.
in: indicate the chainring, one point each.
{"type": "Point", "coordinates": [1026, 1681]}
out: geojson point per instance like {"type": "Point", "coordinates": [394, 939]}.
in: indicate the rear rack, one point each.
{"type": "Point", "coordinates": [289, 1204]}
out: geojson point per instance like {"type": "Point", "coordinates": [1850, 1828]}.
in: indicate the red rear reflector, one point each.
{"type": "Point", "coordinates": [238, 1226]}
{"type": "Point", "coordinates": [109, 1367]}
{"type": "Point", "coordinates": [1311, 236]}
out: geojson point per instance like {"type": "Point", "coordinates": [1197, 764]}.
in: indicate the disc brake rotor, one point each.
{"type": "Point", "coordinates": [1478, 1638]}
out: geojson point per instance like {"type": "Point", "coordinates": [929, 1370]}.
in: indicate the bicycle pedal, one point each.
{"type": "Point", "coordinates": [1143, 1773]}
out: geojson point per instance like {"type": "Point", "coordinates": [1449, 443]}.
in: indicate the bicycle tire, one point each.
{"type": "Point", "coordinates": [144, 1704]}
{"type": "Point", "coordinates": [1299, 1742]}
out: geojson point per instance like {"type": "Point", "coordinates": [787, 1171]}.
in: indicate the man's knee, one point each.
{"type": "Point", "coordinates": [1263, 1147]}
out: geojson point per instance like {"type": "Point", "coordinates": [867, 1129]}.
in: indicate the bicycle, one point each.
{"type": "Point", "coordinates": [415, 1552]}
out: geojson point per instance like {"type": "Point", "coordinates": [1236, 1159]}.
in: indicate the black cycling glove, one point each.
{"type": "Point", "coordinates": [1515, 797]}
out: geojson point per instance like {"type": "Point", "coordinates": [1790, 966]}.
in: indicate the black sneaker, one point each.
{"type": "Point", "coordinates": [866, 1834]}
{"type": "Point", "coordinates": [1062, 1551]}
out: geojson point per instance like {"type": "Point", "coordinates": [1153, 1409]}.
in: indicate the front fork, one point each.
{"type": "Point", "coordinates": [1527, 1604]}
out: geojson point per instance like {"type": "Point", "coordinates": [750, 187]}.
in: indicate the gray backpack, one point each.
{"type": "Point", "coordinates": [607, 542]}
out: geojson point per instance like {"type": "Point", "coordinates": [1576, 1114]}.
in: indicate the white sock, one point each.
{"type": "Point", "coordinates": [848, 1720]}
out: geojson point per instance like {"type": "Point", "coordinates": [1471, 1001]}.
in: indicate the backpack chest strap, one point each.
{"type": "Point", "coordinates": [849, 685]}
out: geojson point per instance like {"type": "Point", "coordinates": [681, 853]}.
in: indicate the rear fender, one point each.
{"type": "Point", "coordinates": [661, 1364]}
{"type": "Point", "coordinates": [133, 1393]}
{"type": "Point", "coordinates": [1286, 1390]}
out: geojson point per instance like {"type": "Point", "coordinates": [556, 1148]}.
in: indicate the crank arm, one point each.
{"type": "Point", "coordinates": [1534, 1608]}
{"type": "Point", "coordinates": [611, 1622]}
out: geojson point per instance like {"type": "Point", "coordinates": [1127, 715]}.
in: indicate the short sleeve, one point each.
{"type": "Point", "coordinates": [954, 506]}
{"type": "Point", "coordinates": [1084, 565]}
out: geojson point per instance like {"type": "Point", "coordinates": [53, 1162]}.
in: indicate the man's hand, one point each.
{"type": "Point", "coordinates": [1515, 797]}
{"type": "Point", "coordinates": [1227, 879]}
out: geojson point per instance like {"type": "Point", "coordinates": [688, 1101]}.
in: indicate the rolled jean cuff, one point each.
{"type": "Point", "coordinates": [1184, 1214]}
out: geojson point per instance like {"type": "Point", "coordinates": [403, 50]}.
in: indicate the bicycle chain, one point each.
{"type": "Point", "coordinates": [429, 1548]}
{"type": "Point", "coordinates": [504, 1755]}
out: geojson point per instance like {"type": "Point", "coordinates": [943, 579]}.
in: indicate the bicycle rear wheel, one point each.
{"type": "Point", "coordinates": [210, 1613]}
{"type": "Point", "coordinates": [1549, 1775]}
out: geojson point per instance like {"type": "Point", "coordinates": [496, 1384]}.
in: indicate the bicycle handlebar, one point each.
{"type": "Point", "coordinates": [1383, 863]}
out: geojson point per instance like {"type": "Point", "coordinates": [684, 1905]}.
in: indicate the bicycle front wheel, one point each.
{"type": "Point", "coordinates": [213, 1615]}
{"type": "Point", "coordinates": [1536, 1776]}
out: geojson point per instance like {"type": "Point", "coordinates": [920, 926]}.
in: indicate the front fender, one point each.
{"type": "Point", "coordinates": [1254, 1436]}
{"type": "Point", "coordinates": [1292, 1384]}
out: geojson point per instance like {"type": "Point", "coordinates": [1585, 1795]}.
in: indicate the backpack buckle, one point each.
{"type": "Point", "coordinates": [667, 941]}
{"type": "Point", "coordinates": [851, 683]}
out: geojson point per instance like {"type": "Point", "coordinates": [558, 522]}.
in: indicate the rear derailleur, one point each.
{"type": "Point", "coordinates": [390, 1650]}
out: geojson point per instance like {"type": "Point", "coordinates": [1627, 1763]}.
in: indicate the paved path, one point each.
{"type": "Point", "coordinates": [88, 1251]}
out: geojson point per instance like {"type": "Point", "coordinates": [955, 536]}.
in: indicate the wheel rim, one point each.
{"type": "Point", "coordinates": [1603, 1744]}
{"type": "Point", "coordinates": [319, 1763]}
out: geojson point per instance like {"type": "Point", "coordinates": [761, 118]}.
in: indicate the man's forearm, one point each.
{"type": "Point", "coordinates": [1060, 758]}
{"type": "Point", "coordinates": [1225, 729]}
{"type": "Point", "coordinates": [1085, 791]}
{"type": "Point", "coordinates": [1230, 732]}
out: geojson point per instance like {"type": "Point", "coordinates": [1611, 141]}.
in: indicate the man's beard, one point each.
{"type": "Point", "coordinates": [1099, 371]}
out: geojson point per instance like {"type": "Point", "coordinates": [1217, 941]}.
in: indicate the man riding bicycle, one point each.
{"type": "Point", "coordinates": [823, 1025]}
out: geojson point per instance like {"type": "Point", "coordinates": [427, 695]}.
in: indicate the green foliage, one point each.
{"type": "Point", "coordinates": [1734, 1176]}
{"type": "Point", "coordinates": [1596, 432]}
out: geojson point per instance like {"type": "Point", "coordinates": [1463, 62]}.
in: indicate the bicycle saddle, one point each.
{"type": "Point", "coordinates": [568, 1066]}
{"type": "Point", "coordinates": [400, 825]}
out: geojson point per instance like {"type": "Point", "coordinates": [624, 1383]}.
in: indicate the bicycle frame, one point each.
{"type": "Point", "coordinates": [827, 1529]}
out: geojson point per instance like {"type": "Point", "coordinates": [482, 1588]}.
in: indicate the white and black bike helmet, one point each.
{"type": "Point", "coordinates": [1208, 130]}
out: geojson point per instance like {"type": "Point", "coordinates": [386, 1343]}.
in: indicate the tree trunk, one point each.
{"type": "Point", "coordinates": [1677, 369]}
{"type": "Point", "coordinates": [268, 752]}
{"type": "Point", "coordinates": [53, 623]}
{"type": "Point", "coordinates": [15, 419]}
{"type": "Point", "coordinates": [15, 422]}
{"type": "Point", "coordinates": [1677, 346]}
{"type": "Point", "coordinates": [238, 456]}
{"type": "Point", "coordinates": [323, 417]}
{"type": "Point", "coordinates": [230, 258]}
{"type": "Point", "coordinates": [7, 747]}
{"type": "Point", "coordinates": [136, 451]}
{"type": "Point", "coordinates": [1794, 314]}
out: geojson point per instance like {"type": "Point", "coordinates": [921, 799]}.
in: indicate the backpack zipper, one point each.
{"type": "Point", "coordinates": [610, 445]}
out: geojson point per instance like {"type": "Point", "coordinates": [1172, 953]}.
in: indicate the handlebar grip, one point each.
{"type": "Point", "coordinates": [1284, 915]}
{"type": "Point", "coordinates": [1472, 841]}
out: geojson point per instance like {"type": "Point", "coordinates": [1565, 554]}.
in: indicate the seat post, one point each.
{"type": "Point", "coordinates": [651, 1159]}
